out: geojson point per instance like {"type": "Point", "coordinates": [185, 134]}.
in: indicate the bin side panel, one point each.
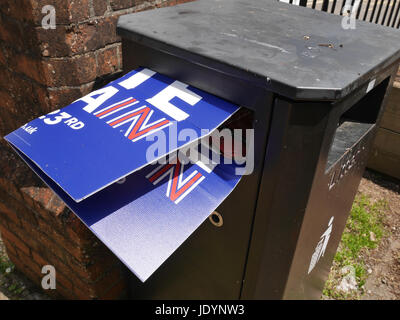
{"type": "Point", "coordinates": [292, 156]}
{"type": "Point", "coordinates": [335, 186]}
{"type": "Point", "coordinates": [211, 263]}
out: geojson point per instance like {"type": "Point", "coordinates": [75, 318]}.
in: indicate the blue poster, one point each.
{"type": "Point", "coordinates": [103, 136]}
{"type": "Point", "coordinates": [145, 217]}
{"type": "Point", "coordinates": [92, 154]}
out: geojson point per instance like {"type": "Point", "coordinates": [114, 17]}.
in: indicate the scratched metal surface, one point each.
{"type": "Point", "coordinates": [264, 42]}
{"type": "Point", "coordinates": [346, 136]}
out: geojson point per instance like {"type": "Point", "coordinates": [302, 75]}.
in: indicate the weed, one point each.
{"type": "Point", "coordinates": [5, 264]}
{"type": "Point", "coordinates": [363, 232]}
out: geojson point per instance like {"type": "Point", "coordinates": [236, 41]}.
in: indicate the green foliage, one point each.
{"type": "Point", "coordinates": [363, 232]}
{"type": "Point", "coordinates": [5, 264]}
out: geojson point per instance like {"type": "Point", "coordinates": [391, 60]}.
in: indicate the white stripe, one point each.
{"type": "Point", "coordinates": [163, 175]}
{"type": "Point", "coordinates": [154, 171]}
{"type": "Point", "coordinates": [131, 126]}
{"type": "Point", "coordinates": [182, 183]}
{"type": "Point", "coordinates": [119, 109]}
{"type": "Point", "coordinates": [134, 119]}
{"type": "Point", "coordinates": [151, 132]}
{"type": "Point", "coordinates": [113, 105]}
{"type": "Point", "coordinates": [126, 113]}
{"type": "Point", "coordinates": [189, 190]}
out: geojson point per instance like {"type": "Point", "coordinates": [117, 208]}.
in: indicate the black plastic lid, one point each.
{"type": "Point", "coordinates": [295, 51]}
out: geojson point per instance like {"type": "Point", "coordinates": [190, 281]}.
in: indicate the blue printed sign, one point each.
{"type": "Point", "coordinates": [101, 137]}
{"type": "Point", "coordinates": [93, 155]}
{"type": "Point", "coordinates": [146, 217]}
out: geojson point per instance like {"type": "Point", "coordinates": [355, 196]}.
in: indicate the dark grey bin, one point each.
{"type": "Point", "coordinates": [316, 92]}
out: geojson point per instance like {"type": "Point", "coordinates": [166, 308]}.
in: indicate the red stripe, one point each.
{"type": "Point", "coordinates": [177, 193]}
{"type": "Point", "coordinates": [159, 173]}
{"type": "Point", "coordinates": [115, 107]}
{"type": "Point", "coordinates": [129, 116]}
{"type": "Point", "coordinates": [134, 134]}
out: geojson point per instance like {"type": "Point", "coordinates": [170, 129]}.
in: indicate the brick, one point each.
{"type": "Point", "coordinates": [8, 110]}
{"type": "Point", "coordinates": [25, 269]}
{"type": "Point", "coordinates": [57, 72]}
{"type": "Point", "coordinates": [11, 114]}
{"type": "Point", "coordinates": [38, 259]}
{"type": "Point", "coordinates": [98, 253]}
{"type": "Point", "coordinates": [33, 272]}
{"type": "Point", "coordinates": [62, 293]}
{"type": "Point", "coordinates": [18, 243]}
{"type": "Point", "coordinates": [85, 294]}
{"type": "Point", "coordinates": [68, 40]}
{"type": "Point", "coordinates": [93, 35]}
{"type": "Point", "coordinates": [44, 101]}
{"type": "Point", "coordinates": [79, 269]}
{"type": "Point", "coordinates": [31, 10]}
{"type": "Point", "coordinates": [108, 280]}
{"type": "Point", "coordinates": [21, 37]}
{"type": "Point", "coordinates": [58, 238]}
{"type": "Point", "coordinates": [6, 213]}
{"type": "Point", "coordinates": [46, 198]}
{"type": "Point", "coordinates": [118, 291]}
{"type": "Point", "coordinates": [78, 10]}
{"type": "Point", "coordinates": [24, 92]}
{"type": "Point", "coordinates": [29, 66]}
{"type": "Point", "coordinates": [28, 261]}
{"type": "Point", "coordinates": [72, 71]}
{"type": "Point", "coordinates": [70, 11]}
{"type": "Point", "coordinates": [49, 244]}
{"type": "Point", "coordinates": [108, 61]}
{"type": "Point", "coordinates": [44, 255]}
{"type": "Point", "coordinates": [52, 42]}
{"type": "Point", "coordinates": [6, 29]}
{"type": "Point", "coordinates": [50, 213]}
{"type": "Point", "coordinates": [99, 7]}
{"type": "Point", "coordinates": [41, 70]}
{"type": "Point", "coordinates": [62, 96]}
{"type": "Point", "coordinates": [55, 205]}
{"type": "Point", "coordinates": [77, 230]}
{"type": "Point", "coordinates": [9, 247]}
{"type": "Point", "coordinates": [14, 173]}
{"type": "Point", "coordinates": [41, 195]}
{"type": "Point", "coordinates": [7, 100]}
{"type": "Point", "coordinates": [97, 269]}
{"type": "Point", "coordinates": [122, 4]}
{"type": "Point", "coordinates": [61, 279]}
{"type": "Point", "coordinates": [18, 9]}
{"type": "Point", "coordinates": [3, 60]}
{"type": "Point", "coordinates": [27, 234]}
{"type": "Point", "coordinates": [13, 207]}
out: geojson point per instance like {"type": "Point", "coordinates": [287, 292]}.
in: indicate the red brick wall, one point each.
{"type": "Point", "coordinates": [42, 70]}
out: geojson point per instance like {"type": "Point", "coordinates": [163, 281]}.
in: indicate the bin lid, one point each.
{"type": "Point", "coordinates": [294, 51]}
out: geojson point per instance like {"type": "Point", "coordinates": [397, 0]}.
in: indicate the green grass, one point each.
{"type": "Point", "coordinates": [366, 219]}
{"type": "Point", "coordinates": [5, 264]}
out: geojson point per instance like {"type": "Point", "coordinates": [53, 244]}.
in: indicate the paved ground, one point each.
{"type": "Point", "coordinates": [384, 261]}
